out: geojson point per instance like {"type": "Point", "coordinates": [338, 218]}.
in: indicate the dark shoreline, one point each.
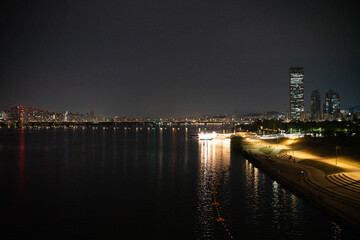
{"type": "Point", "coordinates": [288, 177]}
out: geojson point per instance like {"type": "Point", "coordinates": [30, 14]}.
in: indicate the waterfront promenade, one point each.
{"type": "Point", "coordinates": [331, 183]}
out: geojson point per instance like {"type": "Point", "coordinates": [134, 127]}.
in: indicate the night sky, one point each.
{"type": "Point", "coordinates": [175, 58]}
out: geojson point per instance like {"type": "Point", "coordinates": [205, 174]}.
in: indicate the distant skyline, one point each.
{"type": "Point", "coordinates": [176, 58]}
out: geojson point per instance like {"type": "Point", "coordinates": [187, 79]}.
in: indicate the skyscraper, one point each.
{"type": "Point", "coordinates": [18, 113]}
{"type": "Point", "coordinates": [315, 105]}
{"type": "Point", "coordinates": [296, 84]}
{"type": "Point", "coordinates": [332, 102]}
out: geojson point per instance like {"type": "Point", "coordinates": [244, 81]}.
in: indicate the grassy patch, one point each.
{"type": "Point", "coordinates": [325, 167]}
{"type": "Point", "coordinates": [267, 150]}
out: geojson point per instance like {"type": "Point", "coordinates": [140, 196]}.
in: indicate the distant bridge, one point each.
{"type": "Point", "coordinates": [225, 125]}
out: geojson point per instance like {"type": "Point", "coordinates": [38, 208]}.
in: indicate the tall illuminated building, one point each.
{"type": "Point", "coordinates": [332, 102]}
{"type": "Point", "coordinates": [18, 113]}
{"type": "Point", "coordinates": [315, 105]}
{"type": "Point", "coordinates": [296, 90]}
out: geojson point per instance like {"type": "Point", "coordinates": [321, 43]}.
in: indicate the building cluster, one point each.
{"type": "Point", "coordinates": [331, 107]}
{"type": "Point", "coordinates": [31, 114]}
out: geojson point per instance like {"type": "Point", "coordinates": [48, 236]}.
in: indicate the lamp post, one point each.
{"type": "Point", "coordinates": [336, 149]}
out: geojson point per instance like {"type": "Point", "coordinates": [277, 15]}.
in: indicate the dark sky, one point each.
{"type": "Point", "coordinates": [174, 58]}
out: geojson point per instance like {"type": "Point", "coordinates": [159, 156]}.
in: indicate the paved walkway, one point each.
{"type": "Point", "coordinates": [338, 183]}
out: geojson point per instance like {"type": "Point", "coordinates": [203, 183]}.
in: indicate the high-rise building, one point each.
{"type": "Point", "coordinates": [296, 84]}
{"type": "Point", "coordinates": [18, 113]}
{"type": "Point", "coordinates": [332, 102]}
{"type": "Point", "coordinates": [66, 116]}
{"type": "Point", "coordinates": [315, 105]}
{"type": "Point", "coordinates": [92, 115]}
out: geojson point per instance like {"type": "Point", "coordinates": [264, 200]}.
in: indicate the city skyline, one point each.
{"type": "Point", "coordinates": [175, 59]}
{"type": "Point", "coordinates": [315, 112]}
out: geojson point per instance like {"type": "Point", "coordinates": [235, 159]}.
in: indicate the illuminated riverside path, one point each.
{"type": "Point", "coordinates": [143, 182]}
{"type": "Point", "coordinates": [329, 184]}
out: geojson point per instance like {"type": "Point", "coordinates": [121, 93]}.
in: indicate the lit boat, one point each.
{"type": "Point", "coordinates": [207, 136]}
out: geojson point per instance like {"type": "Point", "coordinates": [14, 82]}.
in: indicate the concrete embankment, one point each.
{"type": "Point", "coordinates": [303, 181]}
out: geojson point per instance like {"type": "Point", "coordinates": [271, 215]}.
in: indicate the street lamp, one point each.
{"type": "Point", "coordinates": [336, 149]}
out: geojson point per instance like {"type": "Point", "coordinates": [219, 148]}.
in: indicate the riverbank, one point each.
{"type": "Point", "coordinates": [334, 188]}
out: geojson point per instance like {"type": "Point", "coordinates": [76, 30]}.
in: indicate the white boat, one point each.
{"type": "Point", "coordinates": [207, 136]}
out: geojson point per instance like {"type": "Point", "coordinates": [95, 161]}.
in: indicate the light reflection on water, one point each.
{"type": "Point", "coordinates": [268, 209]}
{"type": "Point", "coordinates": [21, 164]}
{"type": "Point", "coordinates": [281, 207]}
{"type": "Point", "coordinates": [214, 158]}
{"type": "Point", "coordinates": [154, 177]}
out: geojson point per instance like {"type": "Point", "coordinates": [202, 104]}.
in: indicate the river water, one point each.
{"type": "Point", "coordinates": [144, 183]}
